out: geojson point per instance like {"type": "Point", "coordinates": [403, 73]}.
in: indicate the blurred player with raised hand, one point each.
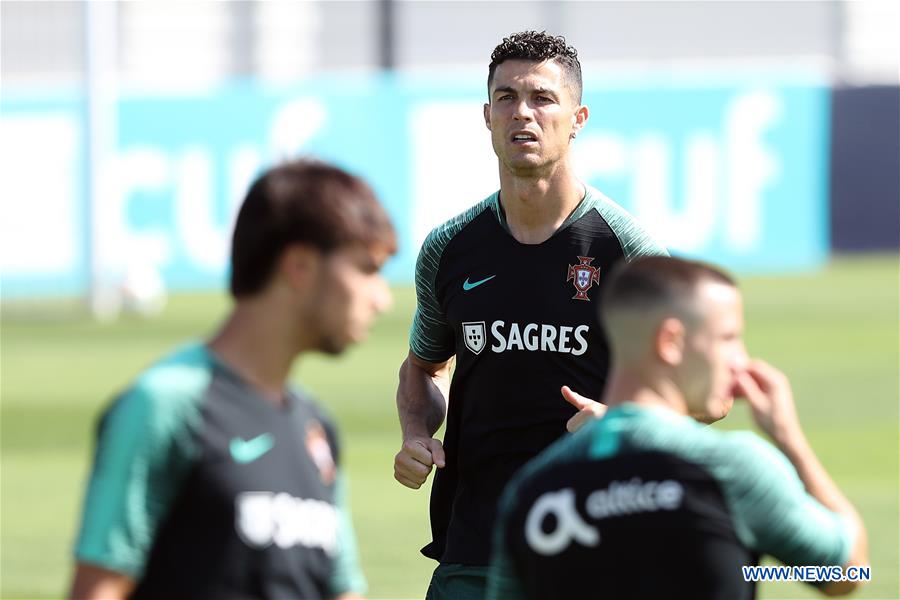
{"type": "Point", "coordinates": [213, 477]}
{"type": "Point", "coordinates": [508, 289]}
{"type": "Point", "coordinates": [647, 502]}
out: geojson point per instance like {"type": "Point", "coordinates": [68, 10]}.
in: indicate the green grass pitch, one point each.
{"type": "Point", "coordinates": [835, 333]}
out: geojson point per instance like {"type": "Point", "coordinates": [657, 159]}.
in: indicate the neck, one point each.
{"type": "Point", "coordinates": [537, 204]}
{"type": "Point", "coordinates": [631, 385]}
{"type": "Point", "coordinates": [256, 347]}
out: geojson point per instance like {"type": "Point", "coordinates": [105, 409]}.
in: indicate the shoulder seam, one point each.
{"type": "Point", "coordinates": [616, 216]}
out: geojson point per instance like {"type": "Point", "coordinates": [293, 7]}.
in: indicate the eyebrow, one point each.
{"type": "Point", "coordinates": [505, 89]}
{"type": "Point", "coordinates": [510, 90]}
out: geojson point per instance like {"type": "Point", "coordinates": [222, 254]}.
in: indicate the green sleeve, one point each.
{"type": "Point", "coordinates": [145, 447]}
{"type": "Point", "coordinates": [431, 337]}
{"type": "Point", "coordinates": [347, 576]}
{"type": "Point", "coordinates": [503, 582]}
{"type": "Point", "coordinates": [635, 240]}
{"type": "Point", "coordinates": [773, 512]}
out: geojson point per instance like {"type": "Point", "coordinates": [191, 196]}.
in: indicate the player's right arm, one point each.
{"type": "Point", "coordinates": [768, 393]}
{"type": "Point", "coordinates": [422, 405]}
{"type": "Point", "coordinates": [424, 387]}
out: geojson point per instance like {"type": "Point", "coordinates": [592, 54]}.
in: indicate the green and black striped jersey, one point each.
{"type": "Point", "coordinates": [646, 503]}
{"type": "Point", "coordinates": [522, 321]}
{"type": "Point", "coordinates": [201, 488]}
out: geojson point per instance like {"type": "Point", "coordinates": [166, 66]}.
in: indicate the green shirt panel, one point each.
{"type": "Point", "coordinates": [144, 450]}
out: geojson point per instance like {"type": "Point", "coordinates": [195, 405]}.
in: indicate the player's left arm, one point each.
{"type": "Point", "coordinates": [588, 409]}
{"type": "Point", "coordinates": [809, 519]}
{"type": "Point", "coordinates": [777, 516]}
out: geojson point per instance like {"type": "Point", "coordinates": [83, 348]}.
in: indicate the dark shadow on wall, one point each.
{"type": "Point", "coordinates": [865, 169]}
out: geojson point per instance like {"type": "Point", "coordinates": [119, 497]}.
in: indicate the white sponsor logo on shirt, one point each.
{"type": "Point", "coordinates": [619, 498]}
{"type": "Point", "coordinates": [266, 518]}
{"type": "Point", "coordinates": [539, 337]}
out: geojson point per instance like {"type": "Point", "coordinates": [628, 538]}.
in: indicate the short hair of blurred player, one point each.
{"type": "Point", "coordinates": [280, 240]}
{"type": "Point", "coordinates": [682, 322]}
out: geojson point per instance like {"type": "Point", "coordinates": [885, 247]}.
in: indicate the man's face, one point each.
{"type": "Point", "coordinates": [714, 352]}
{"type": "Point", "coordinates": [350, 293]}
{"type": "Point", "coordinates": [532, 115]}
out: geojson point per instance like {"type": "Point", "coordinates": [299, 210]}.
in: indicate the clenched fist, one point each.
{"type": "Point", "coordinates": [415, 460]}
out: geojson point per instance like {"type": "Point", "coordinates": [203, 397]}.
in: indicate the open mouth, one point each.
{"type": "Point", "coordinates": [523, 137]}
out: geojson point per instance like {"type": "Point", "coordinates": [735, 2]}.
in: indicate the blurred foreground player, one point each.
{"type": "Point", "coordinates": [212, 477]}
{"type": "Point", "coordinates": [648, 503]}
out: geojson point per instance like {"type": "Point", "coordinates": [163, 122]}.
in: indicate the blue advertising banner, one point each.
{"type": "Point", "coordinates": [729, 173]}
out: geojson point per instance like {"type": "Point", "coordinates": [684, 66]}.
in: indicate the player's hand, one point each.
{"type": "Point", "coordinates": [768, 392]}
{"type": "Point", "coordinates": [415, 460]}
{"type": "Point", "coordinates": [588, 409]}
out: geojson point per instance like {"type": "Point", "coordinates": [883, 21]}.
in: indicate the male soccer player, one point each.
{"type": "Point", "coordinates": [647, 502]}
{"type": "Point", "coordinates": [213, 478]}
{"type": "Point", "coordinates": [509, 289]}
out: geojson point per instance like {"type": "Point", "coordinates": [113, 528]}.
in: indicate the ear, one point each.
{"type": "Point", "coordinates": [299, 265]}
{"type": "Point", "coordinates": [579, 119]}
{"type": "Point", "coordinates": [487, 115]}
{"type": "Point", "coordinates": [669, 341]}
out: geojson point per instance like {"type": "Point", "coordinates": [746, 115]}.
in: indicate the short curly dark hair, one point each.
{"type": "Point", "coordinates": [539, 46]}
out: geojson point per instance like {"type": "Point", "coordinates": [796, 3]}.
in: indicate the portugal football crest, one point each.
{"type": "Point", "coordinates": [474, 335]}
{"type": "Point", "coordinates": [584, 276]}
{"type": "Point", "coordinates": [320, 451]}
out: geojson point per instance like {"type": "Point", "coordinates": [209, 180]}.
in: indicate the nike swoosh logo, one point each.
{"type": "Point", "coordinates": [246, 451]}
{"type": "Point", "coordinates": [468, 286]}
